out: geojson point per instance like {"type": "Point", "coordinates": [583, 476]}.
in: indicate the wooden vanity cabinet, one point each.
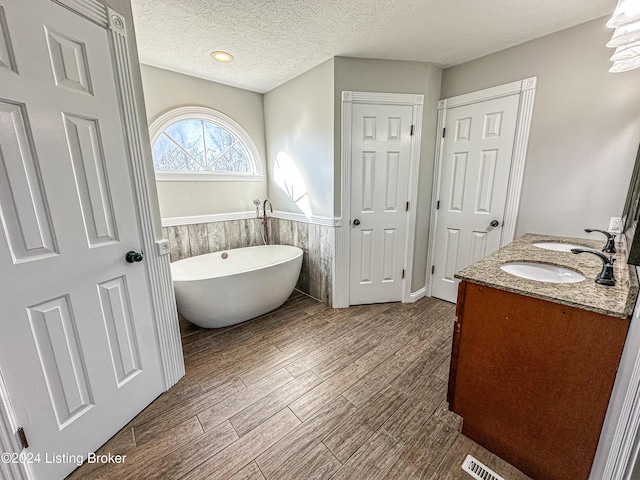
{"type": "Point", "coordinates": [531, 379]}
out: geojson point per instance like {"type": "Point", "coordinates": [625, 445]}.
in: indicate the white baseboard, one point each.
{"type": "Point", "coordinates": [418, 294]}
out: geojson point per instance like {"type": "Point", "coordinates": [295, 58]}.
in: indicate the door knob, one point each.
{"type": "Point", "coordinates": [494, 223]}
{"type": "Point", "coordinates": [356, 222]}
{"type": "Point", "coordinates": [132, 256]}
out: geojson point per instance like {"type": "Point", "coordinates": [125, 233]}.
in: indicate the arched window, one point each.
{"type": "Point", "coordinates": [198, 143]}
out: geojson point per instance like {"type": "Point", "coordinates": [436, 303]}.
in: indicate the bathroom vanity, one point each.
{"type": "Point", "coordinates": [533, 363]}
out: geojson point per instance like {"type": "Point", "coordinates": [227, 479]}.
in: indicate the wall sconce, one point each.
{"type": "Point", "coordinates": [626, 37]}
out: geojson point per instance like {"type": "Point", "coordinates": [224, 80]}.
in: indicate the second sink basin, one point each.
{"type": "Point", "coordinates": [558, 247]}
{"type": "Point", "coordinates": [542, 272]}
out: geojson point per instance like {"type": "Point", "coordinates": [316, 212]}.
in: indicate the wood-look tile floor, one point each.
{"type": "Point", "coordinates": [306, 392]}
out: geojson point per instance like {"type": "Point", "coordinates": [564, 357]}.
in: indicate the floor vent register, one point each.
{"type": "Point", "coordinates": [479, 471]}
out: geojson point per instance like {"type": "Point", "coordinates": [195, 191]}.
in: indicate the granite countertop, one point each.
{"type": "Point", "coordinates": [617, 301]}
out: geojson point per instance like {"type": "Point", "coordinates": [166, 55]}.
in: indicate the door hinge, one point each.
{"type": "Point", "coordinates": [407, 209]}
{"type": "Point", "coordinates": [23, 438]}
{"type": "Point", "coordinates": [443, 130]}
{"type": "Point", "coordinates": [438, 205]}
{"type": "Point", "coordinates": [433, 269]}
{"type": "Point", "coordinates": [411, 133]}
{"type": "Point", "coordinates": [403, 272]}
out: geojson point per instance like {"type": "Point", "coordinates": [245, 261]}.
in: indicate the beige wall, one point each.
{"type": "Point", "coordinates": [390, 76]}
{"type": "Point", "coordinates": [585, 129]}
{"type": "Point", "coordinates": [164, 91]}
{"type": "Point", "coordinates": [299, 129]}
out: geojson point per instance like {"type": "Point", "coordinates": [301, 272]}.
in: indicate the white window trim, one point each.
{"type": "Point", "coordinates": [213, 116]}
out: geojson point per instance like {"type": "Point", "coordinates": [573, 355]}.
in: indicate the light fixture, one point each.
{"type": "Point", "coordinates": [223, 57]}
{"type": "Point", "coordinates": [625, 65]}
{"type": "Point", "coordinates": [626, 37]}
{"type": "Point", "coordinates": [626, 12]}
{"type": "Point", "coordinates": [626, 52]}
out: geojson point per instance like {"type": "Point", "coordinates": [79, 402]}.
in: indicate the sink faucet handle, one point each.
{"type": "Point", "coordinates": [610, 247]}
{"type": "Point", "coordinates": [605, 277]}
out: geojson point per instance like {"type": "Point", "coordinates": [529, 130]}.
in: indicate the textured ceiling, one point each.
{"type": "Point", "coordinates": [275, 40]}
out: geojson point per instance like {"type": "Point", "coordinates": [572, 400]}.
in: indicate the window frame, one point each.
{"type": "Point", "coordinates": [164, 121]}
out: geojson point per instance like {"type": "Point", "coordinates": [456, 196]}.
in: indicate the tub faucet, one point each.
{"type": "Point", "coordinates": [264, 208]}
{"type": "Point", "coordinates": [256, 202]}
{"type": "Point", "coordinates": [264, 219]}
{"type": "Point", "coordinates": [605, 277]}
{"type": "Point", "coordinates": [610, 247]}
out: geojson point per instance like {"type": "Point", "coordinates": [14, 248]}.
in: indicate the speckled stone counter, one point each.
{"type": "Point", "coordinates": [617, 301]}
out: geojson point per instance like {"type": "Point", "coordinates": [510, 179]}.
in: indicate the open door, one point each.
{"type": "Point", "coordinates": [474, 175]}
{"type": "Point", "coordinates": [79, 351]}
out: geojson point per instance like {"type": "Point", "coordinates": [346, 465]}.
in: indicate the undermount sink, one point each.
{"type": "Point", "coordinates": [558, 247]}
{"type": "Point", "coordinates": [542, 272]}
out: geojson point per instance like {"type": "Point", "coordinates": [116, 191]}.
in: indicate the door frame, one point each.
{"type": "Point", "coordinates": [342, 257]}
{"type": "Point", "coordinates": [156, 249]}
{"type": "Point", "coordinates": [526, 90]}
{"type": "Point", "coordinates": [8, 438]}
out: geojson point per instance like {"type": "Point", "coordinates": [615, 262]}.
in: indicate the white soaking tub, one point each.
{"type": "Point", "coordinates": [228, 287]}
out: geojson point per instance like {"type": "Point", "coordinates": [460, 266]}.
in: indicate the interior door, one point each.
{"type": "Point", "coordinates": [474, 176]}
{"type": "Point", "coordinates": [77, 350]}
{"type": "Point", "coordinates": [381, 142]}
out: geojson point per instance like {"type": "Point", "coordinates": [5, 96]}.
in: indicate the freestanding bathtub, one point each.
{"type": "Point", "coordinates": [228, 287]}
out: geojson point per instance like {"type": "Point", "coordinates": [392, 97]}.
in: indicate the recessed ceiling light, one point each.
{"type": "Point", "coordinates": [223, 57]}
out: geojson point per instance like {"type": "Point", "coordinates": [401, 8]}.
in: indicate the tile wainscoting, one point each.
{"type": "Point", "coordinates": [200, 238]}
{"type": "Point", "coordinates": [317, 242]}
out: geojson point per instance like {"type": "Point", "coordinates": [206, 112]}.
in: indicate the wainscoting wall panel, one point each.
{"type": "Point", "coordinates": [316, 241]}
{"type": "Point", "coordinates": [200, 238]}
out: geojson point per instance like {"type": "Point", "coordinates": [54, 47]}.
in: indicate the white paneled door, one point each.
{"type": "Point", "coordinates": [77, 350]}
{"type": "Point", "coordinates": [474, 176]}
{"type": "Point", "coordinates": [381, 142]}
